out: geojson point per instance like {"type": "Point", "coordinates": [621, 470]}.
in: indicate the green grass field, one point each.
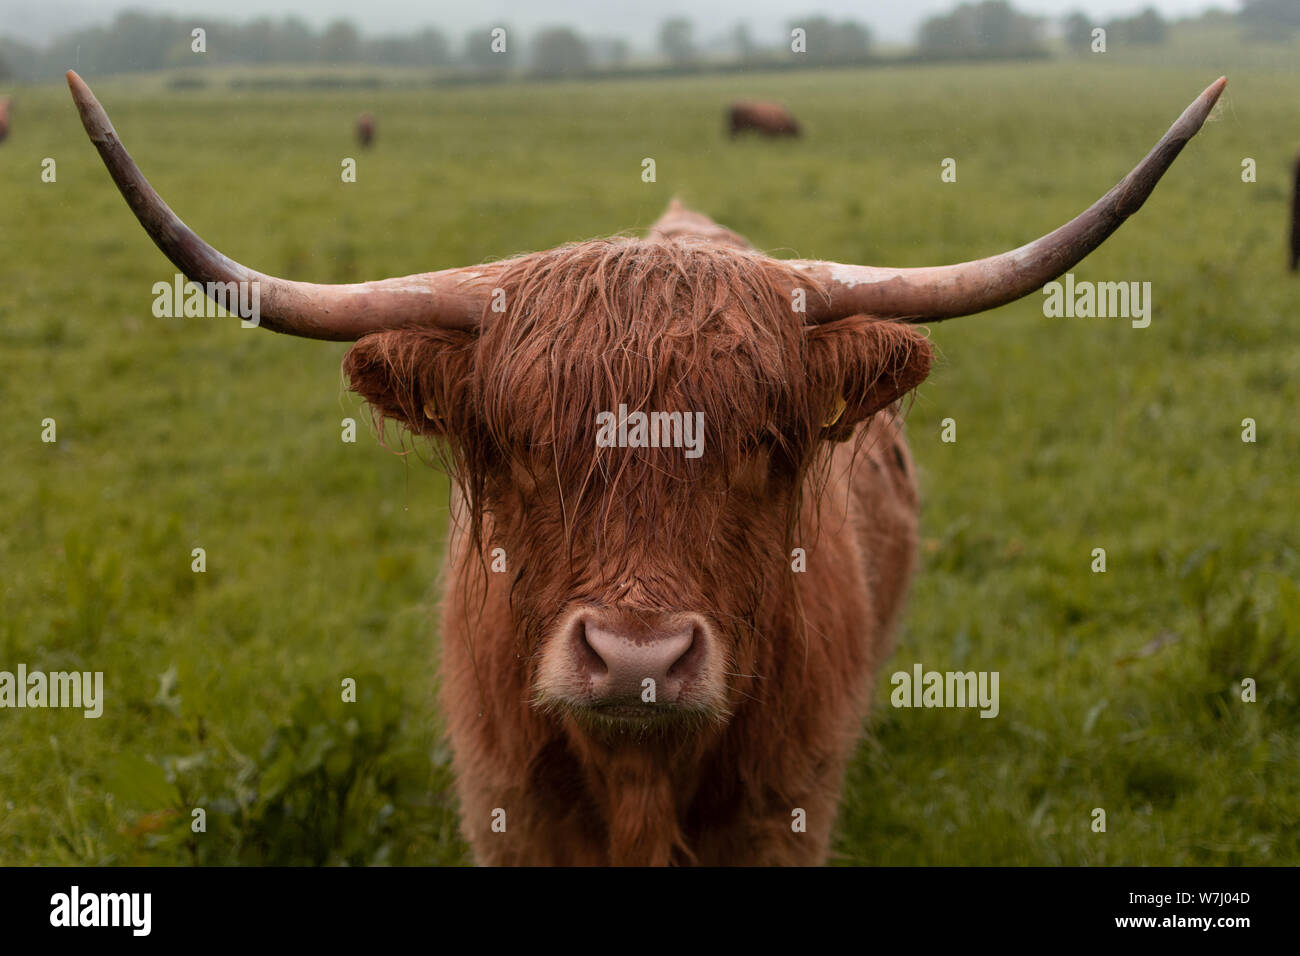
{"type": "Point", "coordinates": [1119, 691]}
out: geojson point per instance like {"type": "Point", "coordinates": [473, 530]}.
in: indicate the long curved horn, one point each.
{"type": "Point", "coordinates": [943, 292]}
{"type": "Point", "coordinates": [452, 298]}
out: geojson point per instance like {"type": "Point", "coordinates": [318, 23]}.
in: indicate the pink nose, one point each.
{"type": "Point", "coordinates": [638, 663]}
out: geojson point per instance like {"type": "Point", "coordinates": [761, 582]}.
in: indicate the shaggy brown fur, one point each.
{"type": "Point", "coordinates": [658, 324]}
{"type": "Point", "coordinates": [4, 118]}
{"type": "Point", "coordinates": [770, 119]}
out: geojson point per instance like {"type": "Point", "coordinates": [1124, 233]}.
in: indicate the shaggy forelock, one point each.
{"type": "Point", "coordinates": [658, 326]}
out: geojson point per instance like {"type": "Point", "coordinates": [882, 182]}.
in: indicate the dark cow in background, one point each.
{"type": "Point", "coordinates": [1295, 218]}
{"type": "Point", "coordinates": [365, 130]}
{"type": "Point", "coordinates": [632, 671]}
{"type": "Point", "coordinates": [770, 119]}
{"type": "Point", "coordinates": [4, 118]}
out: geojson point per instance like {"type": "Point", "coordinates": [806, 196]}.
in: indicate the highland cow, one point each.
{"type": "Point", "coordinates": [365, 130]}
{"type": "Point", "coordinates": [770, 119]}
{"type": "Point", "coordinates": [4, 118]}
{"type": "Point", "coordinates": [649, 658]}
{"type": "Point", "coordinates": [1295, 218]}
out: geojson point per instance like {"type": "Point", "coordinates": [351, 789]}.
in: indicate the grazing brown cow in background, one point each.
{"type": "Point", "coordinates": [4, 118]}
{"type": "Point", "coordinates": [633, 669]}
{"type": "Point", "coordinates": [1295, 218]}
{"type": "Point", "coordinates": [365, 130]}
{"type": "Point", "coordinates": [770, 119]}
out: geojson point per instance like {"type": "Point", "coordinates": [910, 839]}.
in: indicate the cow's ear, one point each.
{"type": "Point", "coordinates": [417, 377]}
{"type": "Point", "coordinates": [863, 365]}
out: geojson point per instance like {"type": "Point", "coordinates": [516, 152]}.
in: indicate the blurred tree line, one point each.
{"type": "Point", "coordinates": [989, 29]}
{"type": "Point", "coordinates": [1146, 28]}
{"type": "Point", "coordinates": [1270, 19]}
{"type": "Point", "coordinates": [139, 42]}
{"type": "Point", "coordinates": [136, 41]}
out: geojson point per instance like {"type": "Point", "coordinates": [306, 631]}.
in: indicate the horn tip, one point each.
{"type": "Point", "coordinates": [76, 84]}
{"type": "Point", "coordinates": [93, 117]}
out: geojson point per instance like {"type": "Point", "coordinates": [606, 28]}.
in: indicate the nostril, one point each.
{"type": "Point", "coordinates": [690, 656]}
{"type": "Point", "coordinates": [588, 658]}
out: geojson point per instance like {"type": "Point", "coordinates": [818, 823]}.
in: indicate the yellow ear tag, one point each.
{"type": "Point", "coordinates": [430, 410]}
{"type": "Point", "coordinates": [834, 416]}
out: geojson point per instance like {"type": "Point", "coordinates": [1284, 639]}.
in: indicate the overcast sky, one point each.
{"type": "Point", "coordinates": [636, 20]}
